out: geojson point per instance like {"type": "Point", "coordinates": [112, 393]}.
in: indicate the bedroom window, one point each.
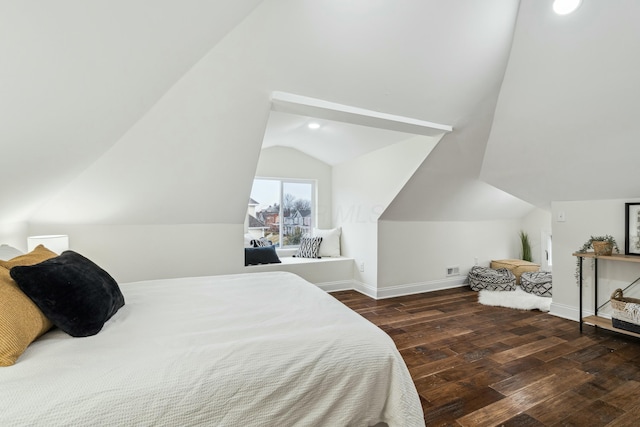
{"type": "Point", "coordinates": [281, 210]}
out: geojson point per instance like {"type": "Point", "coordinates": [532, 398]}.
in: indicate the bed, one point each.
{"type": "Point", "coordinates": [255, 349]}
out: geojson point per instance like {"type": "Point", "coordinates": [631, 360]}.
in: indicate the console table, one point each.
{"type": "Point", "coordinates": [595, 320]}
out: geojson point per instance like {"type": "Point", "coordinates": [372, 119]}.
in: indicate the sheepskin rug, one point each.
{"type": "Point", "coordinates": [514, 299]}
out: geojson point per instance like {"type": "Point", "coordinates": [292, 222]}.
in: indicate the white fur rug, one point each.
{"type": "Point", "coordinates": [514, 299]}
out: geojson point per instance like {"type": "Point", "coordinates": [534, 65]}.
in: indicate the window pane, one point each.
{"type": "Point", "coordinates": [296, 203]}
{"type": "Point", "coordinates": [264, 210]}
{"type": "Point", "coordinates": [280, 210]}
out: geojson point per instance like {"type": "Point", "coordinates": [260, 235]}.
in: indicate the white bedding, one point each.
{"type": "Point", "coordinates": [261, 349]}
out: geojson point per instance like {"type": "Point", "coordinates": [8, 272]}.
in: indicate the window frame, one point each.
{"type": "Point", "coordinates": [283, 182]}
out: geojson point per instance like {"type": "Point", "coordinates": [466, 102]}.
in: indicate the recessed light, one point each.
{"type": "Point", "coordinates": [565, 7]}
{"type": "Point", "coordinates": [314, 125]}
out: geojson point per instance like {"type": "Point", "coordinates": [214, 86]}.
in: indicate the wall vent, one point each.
{"type": "Point", "coordinates": [453, 271]}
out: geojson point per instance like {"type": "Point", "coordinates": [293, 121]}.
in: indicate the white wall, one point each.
{"type": "Point", "coordinates": [582, 220]}
{"type": "Point", "coordinates": [363, 188]}
{"type": "Point", "coordinates": [415, 255]}
{"type": "Point", "coordinates": [420, 252]}
{"type": "Point", "coordinates": [189, 160]}
{"type": "Point", "coordinates": [282, 162]}
{"type": "Point", "coordinates": [14, 234]}
{"type": "Point", "coordinates": [141, 252]}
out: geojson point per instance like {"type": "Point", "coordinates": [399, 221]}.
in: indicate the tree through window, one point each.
{"type": "Point", "coordinates": [281, 210]}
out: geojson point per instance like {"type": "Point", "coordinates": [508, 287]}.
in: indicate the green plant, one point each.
{"type": "Point", "coordinates": [526, 246]}
{"type": "Point", "coordinates": [607, 238]}
{"type": "Point", "coordinates": [589, 245]}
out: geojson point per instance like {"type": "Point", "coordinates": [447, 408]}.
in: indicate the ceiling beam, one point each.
{"type": "Point", "coordinates": [319, 108]}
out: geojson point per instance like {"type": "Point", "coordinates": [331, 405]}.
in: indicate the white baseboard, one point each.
{"type": "Point", "coordinates": [566, 311]}
{"type": "Point", "coordinates": [348, 285]}
{"type": "Point", "coordinates": [342, 285]}
{"type": "Point", "coordinates": [365, 289]}
{"type": "Point", "coordinates": [393, 291]}
{"type": "Point", "coordinates": [559, 310]}
{"type": "Point", "coordinates": [420, 287]}
{"type": "Point", "coordinates": [573, 313]}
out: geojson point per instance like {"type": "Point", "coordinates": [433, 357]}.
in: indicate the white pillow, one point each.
{"type": "Point", "coordinates": [247, 240]}
{"type": "Point", "coordinates": [330, 246]}
{"type": "Point", "coordinates": [7, 252]}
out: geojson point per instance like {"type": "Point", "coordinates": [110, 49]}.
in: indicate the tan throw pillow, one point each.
{"type": "Point", "coordinates": [39, 254]}
{"type": "Point", "coordinates": [21, 321]}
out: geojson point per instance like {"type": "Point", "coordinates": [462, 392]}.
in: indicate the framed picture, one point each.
{"type": "Point", "coordinates": [632, 229]}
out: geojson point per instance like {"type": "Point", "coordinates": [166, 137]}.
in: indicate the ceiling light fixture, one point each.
{"type": "Point", "coordinates": [565, 7]}
{"type": "Point", "coordinates": [314, 125]}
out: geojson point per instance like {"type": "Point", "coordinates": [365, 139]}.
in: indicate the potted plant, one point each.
{"type": "Point", "coordinates": [526, 246]}
{"type": "Point", "coordinates": [601, 245]}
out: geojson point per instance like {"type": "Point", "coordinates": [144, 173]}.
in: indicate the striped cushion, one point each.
{"type": "Point", "coordinates": [499, 279]}
{"type": "Point", "coordinates": [539, 283]}
{"type": "Point", "coordinates": [261, 242]}
{"type": "Point", "coordinates": [309, 247]}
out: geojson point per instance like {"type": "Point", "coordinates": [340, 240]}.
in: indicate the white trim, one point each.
{"type": "Point", "coordinates": [568, 311]}
{"type": "Point", "coordinates": [393, 291]}
{"type": "Point", "coordinates": [286, 252]}
{"type": "Point", "coordinates": [420, 287]}
{"type": "Point", "coordinates": [572, 313]}
{"type": "Point", "coordinates": [348, 285]}
{"type": "Point", "coordinates": [341, 285]}
{"type": "Point", "coordinates": [546, 251]}
{"type": "Point", "coordinates": [365, 289]}
{"type": "Point", "coordinates": [320, 108]}
{"type": "Point", "coordinates": [291, 260]}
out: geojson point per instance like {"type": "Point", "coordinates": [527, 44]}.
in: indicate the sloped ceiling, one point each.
{"type": "Point", "coordinates": [429, 60]}
{"type": "Point", "coordinates": [332, 142]}
{"type": "Point", "coordinates": [76, 75]}
{"type": "Point", "coordinates": [136, 111]}
{"type": "Point", "coordinates": [446, 187]}
{"type": "Point", "coordinates": [566, 124]}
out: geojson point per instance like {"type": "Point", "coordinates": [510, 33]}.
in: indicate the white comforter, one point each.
{"type": "Point", "coordinates": [262, 349]}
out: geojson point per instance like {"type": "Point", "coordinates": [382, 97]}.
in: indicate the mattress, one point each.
{"type": "Point", "coordinates": [254, 349]}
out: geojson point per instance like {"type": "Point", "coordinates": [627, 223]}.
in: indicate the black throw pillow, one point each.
{"type": "Point", "coordinates": [72, 291]}
{"type": "Point", "coordinates": [261, 255]}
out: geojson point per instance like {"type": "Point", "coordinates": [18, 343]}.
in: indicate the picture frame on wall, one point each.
{"type": "Point", "coordinates": [632, 229]}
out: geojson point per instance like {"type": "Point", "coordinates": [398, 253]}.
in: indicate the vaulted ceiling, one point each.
{"type": "Point", "coordinates": [566, 125]}
{"type": "Point", "coordinates": [76, 75]}
{"type": "Point", "coordinates": [135, 111]}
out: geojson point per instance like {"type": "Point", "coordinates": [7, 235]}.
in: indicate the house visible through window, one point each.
{"type": "Point", "coordinates": [281, 210]}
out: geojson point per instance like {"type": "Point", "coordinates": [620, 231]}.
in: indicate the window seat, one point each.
{"type": "Point", "coordinates": [330, 274]}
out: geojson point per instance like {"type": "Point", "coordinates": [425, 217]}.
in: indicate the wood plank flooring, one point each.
{"type": "Point", "coordinates": [475, 365]}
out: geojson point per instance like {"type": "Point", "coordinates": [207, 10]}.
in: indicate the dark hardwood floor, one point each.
{"type": "Point", "coordinates": [475, 365]}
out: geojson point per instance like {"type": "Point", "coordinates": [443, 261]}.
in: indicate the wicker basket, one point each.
{"type": "Point", "coordinates": [626, 312]}
{"type": "Point", "coordinates": [516, 266]}
{"type": "Point", "coordinates": [602, 248]}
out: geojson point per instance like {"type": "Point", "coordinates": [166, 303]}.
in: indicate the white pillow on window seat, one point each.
{"type": "Point", "coordinates": [330, 246]}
